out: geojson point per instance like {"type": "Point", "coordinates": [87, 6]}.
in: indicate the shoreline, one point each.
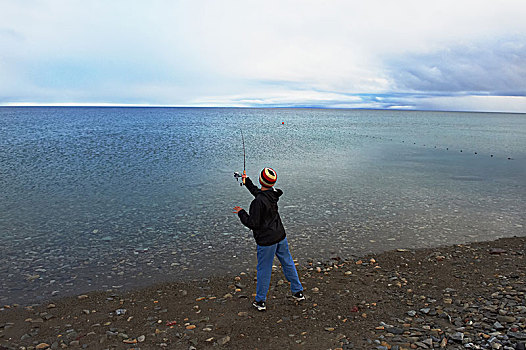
{"type": "Point", "coordinates": [152, 267]}
{"type": "Point", "coordinates": [399, 299]}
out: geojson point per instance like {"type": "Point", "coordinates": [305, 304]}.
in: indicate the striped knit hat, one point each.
{"type": "Point", "coordinates": [268, 177]}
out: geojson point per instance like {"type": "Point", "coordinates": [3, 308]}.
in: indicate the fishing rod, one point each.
{"type": "Point", "coordinates": [236, 174]}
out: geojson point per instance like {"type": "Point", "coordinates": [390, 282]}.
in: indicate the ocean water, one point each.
{"type": "Point", "coordinates": [112, 198]}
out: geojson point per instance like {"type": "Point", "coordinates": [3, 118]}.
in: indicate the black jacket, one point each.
{"type": "Point", "coordinates": [263, 217]}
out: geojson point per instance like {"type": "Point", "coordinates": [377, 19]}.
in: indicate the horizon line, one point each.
{"type": "Point", "coordinates": [144, 105]}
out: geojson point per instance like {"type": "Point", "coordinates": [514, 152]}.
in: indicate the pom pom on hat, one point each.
{"type": "Point", "coordinates": [268, 177]}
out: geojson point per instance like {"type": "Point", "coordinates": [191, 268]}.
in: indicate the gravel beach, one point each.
{"type": "Point", "coordinates": [469, 296]}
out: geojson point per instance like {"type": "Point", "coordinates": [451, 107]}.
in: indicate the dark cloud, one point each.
{"type": "Point", "coordinates": [496, 68]}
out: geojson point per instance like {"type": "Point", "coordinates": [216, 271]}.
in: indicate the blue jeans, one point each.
{"type": "Point", "coordinates": [265, 258]}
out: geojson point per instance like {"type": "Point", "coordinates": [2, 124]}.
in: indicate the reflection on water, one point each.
{"type": "Point", "coordinates": [117, 197]}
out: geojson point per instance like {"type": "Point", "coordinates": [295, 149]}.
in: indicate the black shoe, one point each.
{"type": "Point", "coordinates": [299, 296]}
{"type": "Point", "coordinates": [260, 305]}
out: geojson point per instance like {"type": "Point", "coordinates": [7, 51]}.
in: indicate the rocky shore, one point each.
{"type": "Point", "coordinates": [469, 296]}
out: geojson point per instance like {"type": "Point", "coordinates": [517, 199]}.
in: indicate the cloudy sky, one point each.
{"type": "Point", "coordinates": [433, 55]}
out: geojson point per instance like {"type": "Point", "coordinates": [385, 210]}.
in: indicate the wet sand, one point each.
{"type": "Point", "coordinates": [454, 297]}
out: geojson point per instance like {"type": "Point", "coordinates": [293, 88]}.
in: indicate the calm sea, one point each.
{"type": "Point", "coordinates": [110, 198]}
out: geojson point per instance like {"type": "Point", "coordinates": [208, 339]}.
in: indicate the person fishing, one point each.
{"type": "Point", "coordinates": [264, 221]}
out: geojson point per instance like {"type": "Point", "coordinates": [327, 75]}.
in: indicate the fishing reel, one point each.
{"type": "Point", "coordinates": [238, 176]}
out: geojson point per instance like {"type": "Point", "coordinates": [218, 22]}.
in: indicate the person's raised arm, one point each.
{"type": "Point", "coordinates": [251, 187]}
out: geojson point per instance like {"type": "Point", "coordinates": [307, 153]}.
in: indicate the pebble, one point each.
{"type": "Point", "coordinates": [458, 336]}
{"type": "Point", "coordinates": [517, 335]}
{"type": "Point", "coordinates": [506, 319]}
{"type": "Point", "coordinates": [395, 330]}
{"type": "Point", "coordinates": [223, 340]}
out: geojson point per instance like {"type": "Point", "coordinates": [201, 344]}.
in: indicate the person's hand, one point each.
{"type": "Point", "coordinates": [237, 209]}
{"type": "Point", "coordinates": [243, 177]}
